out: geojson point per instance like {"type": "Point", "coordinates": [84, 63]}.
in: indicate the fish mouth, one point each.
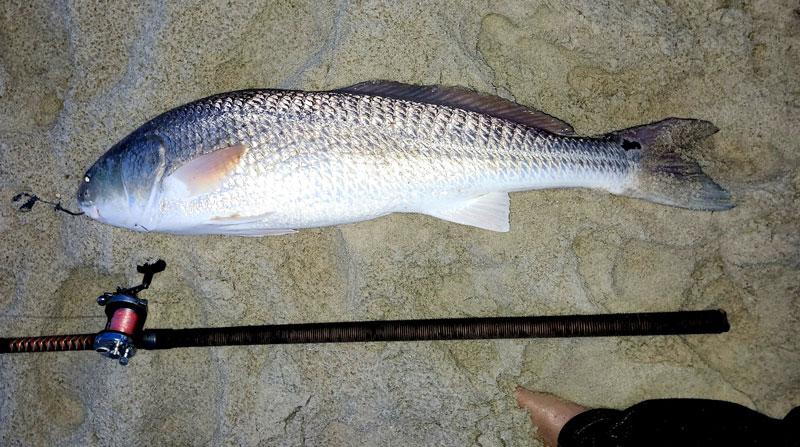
{"type": "Point", "coordinates": [91, 211]}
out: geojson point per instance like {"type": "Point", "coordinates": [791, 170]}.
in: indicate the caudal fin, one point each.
{"type": "Point", "coordinates": [666, 175]}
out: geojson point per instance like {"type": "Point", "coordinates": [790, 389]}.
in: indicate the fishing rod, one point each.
{"type": "Point", "coordinates": [126, 313]}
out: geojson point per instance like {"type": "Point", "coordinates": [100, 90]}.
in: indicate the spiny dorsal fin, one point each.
{"type": "Point", "coordinates": [463, 99]}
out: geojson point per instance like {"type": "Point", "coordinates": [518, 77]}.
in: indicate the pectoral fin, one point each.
{"type": "Point", "coordinates": [206, 172]}
{"type": "Point", "coordinates": [489, 211]}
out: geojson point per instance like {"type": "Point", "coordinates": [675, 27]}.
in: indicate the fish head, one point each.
{"type": "Point", "coordinates": [122, 188]}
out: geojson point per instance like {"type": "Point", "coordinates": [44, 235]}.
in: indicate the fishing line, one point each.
{"type": "Point", "coordinates": [31, 199]}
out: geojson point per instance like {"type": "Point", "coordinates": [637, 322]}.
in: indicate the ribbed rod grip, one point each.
{"type": "Point", "coordinates": [47, 343]}
{"type": "Point", "coordinates": [660, 323]}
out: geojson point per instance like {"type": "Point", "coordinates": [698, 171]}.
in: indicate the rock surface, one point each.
{"type": "Point", "coordinates": [75, 77]}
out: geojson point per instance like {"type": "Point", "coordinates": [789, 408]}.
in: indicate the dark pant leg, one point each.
{"type": "Point", "coordinates": [679, 422]}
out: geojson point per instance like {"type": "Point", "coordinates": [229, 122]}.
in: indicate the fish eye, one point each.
{"type": "Point", "coordinates": [87, 179]}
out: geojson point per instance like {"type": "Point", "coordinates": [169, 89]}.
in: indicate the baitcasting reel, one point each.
{"type": "Point", "coordinates": [126, 314]}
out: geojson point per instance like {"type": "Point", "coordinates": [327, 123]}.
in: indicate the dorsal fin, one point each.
{"type": "Point", "coordinates": [463, 99]}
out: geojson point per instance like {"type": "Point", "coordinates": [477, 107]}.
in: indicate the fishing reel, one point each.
{"type": "Point", "coordinates": [126, 314]}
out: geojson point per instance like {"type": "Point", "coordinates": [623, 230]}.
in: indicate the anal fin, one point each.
{"type": "Point", "coordinates": [489, 212]}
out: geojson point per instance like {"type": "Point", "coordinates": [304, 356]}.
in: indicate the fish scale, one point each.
{"type": "Point", "coordinates": [261, 162]}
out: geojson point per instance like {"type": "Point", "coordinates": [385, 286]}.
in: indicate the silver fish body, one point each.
{"type": "Point", "coordinates": [262, 162]}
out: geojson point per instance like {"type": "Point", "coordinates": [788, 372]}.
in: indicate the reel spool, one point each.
{"type": "Point", "coordinates": [126, 317]}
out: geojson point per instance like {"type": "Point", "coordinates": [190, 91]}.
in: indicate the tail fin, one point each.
{"type": "Point", "coordinates": [665, 174]}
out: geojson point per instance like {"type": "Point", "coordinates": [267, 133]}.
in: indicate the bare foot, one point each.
{"type": "Point", "coordinates": [548, 413]}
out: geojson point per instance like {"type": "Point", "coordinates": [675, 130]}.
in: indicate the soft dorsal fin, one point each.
{"type": "Point", "coordinates": [206, 172]}
{"type": "Point", "coordinates": [462, 98]}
